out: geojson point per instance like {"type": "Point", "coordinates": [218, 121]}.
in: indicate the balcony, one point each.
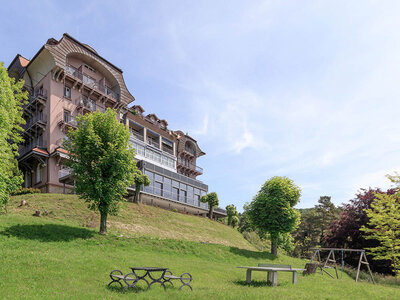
{"type": "Point", "coordinates": [192, 167]}
{"type": "Point", "coordinates": [153, 143]}
{"type": "Point", "coordinates": [88, 104]}
{"type": "Point", "coordinates": [37, 120]}
{"type": "Point", "coordinates": [91, 82]}
{"type": "Point", "coordinates": [168, 150]}
{"type": "Point", "coordinates": [63, 173]}
{"type": "Point", "coordinates": [66, 121]}
{"type": "Point", "coordinates": [137, 135]}
{"type": "Point", "coordinates": [35, 143]}
{"type": "Point", "coordinates": [38, 95]}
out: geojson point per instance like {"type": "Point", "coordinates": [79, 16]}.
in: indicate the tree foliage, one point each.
{"type": "Point", "coordinates": [231, 212]}
{"type": "Point", "coordinates": [212, 200]}
{"type": "Point", "coordinates": [271, 210]}
{"type": "Point", "coordinates": [102, 161]}
{"type": "Point", "coordinates": [234, 221]}
{"type": "Point", "coordinates": [384, 226]}
{"type": "Point", "coordinates": [140, 179]}
{"type": "Point", "coordinates": [12, 97]}
{"type": "Point", "coordinates": [313, 225]}
{"type": "Point", "coordinates": [345, 232]}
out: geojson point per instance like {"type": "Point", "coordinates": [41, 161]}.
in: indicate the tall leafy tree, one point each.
{"type": "Point", "coordinates": [308, 234]}
{"type": "Point", "coordinates": [384, 226]}
{"type": "Point", "coordinates": [326, 212]}
{"type": "Point", "coordinates": [345, 231]}
{"type": "Point", "coordinates": [271, 210]}
{"type": "Point", "coordinates": [212, 200]}
{"type": "Point", "coordinates": [140, 179]}
{"type": "Point", "coordinates": [231, 212]}
{"type": "Point", "coordinates": [11, 100]}
{"type": "Point", "coordinates": [102, 162]}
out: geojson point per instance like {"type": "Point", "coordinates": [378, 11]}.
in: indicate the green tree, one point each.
{"type": "Point", "coordinates": [231, 212]}
{"type": "Point", "coordinates": [384, 226]}
{"type": "Point", "coordinates": [326, 212]}
{"type": "Point", "coordinates": [271, 210]}
{"type": "Point", "coordinates": [12, 97]}
{"type": "Point", "coordinates": [140, 179]}
{"type": "Point", "coordinates": [234, 221]}
{"type": "Point", "coordinates": [102, 162]}
{"type": "Point", "coordinates": [212, 200]}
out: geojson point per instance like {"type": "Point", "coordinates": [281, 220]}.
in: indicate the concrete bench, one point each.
{"type": "Point", "coordinates": [272, 270]}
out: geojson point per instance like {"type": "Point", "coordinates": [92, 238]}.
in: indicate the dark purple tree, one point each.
{"type": "Point", "coordinates": [345, 232]}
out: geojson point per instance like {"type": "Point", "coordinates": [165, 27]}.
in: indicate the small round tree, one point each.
{"type": "Point", "coordinates": [102, 162]}
{"type": "Point", "coordinates": [140, 179]}
{"type": "Point", "coordinates": [231, 212]}
{"type": "Point", "coordinates": [271, 210]}
{"type": "Point", "coordinates": [212, 200]}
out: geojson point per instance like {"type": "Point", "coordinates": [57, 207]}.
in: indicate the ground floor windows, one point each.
{"type": "Point", "coordinates": [174, 190]}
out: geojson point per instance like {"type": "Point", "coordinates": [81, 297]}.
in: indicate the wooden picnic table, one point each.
{"type": "Point", "coordinates": [272, 273]}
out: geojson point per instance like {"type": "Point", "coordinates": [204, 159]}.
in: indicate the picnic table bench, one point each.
{"type": "Point", "coordinates": [272, 270]}
{"type": "Point", "coordinates": [185, 279]}
{"type": "Point", "coordinates": [131, 279]}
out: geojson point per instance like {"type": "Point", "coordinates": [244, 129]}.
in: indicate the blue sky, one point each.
{"type": "Point", "coordinates": [304, 89]}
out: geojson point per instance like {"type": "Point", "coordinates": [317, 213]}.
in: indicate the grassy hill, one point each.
{"type": "Point", "coordinates": [55, 257]}
{"type": "Point", "coordinates": [133, 220]}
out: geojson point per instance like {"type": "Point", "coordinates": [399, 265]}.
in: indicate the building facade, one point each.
{"type": "Point", "coordinates": [67, 78]}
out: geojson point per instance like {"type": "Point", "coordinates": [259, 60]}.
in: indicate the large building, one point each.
{"type": "Point", "coordinates": [67, 78]}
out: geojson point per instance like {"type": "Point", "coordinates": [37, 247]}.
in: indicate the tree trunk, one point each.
{"type": "Point", "coordinates": [210, 213]}
{"type": "Point", "coordinates": [274, 244]}
{"type": "Point", "coordinates": [103, 223]}
{"type": "Point", "coordinates": [137, 192]}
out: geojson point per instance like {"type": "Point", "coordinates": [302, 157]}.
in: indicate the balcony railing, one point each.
{"type": "Point", "coordinates": [42, 93]}
{"type": "Point", "coordinates": [153, 143]}
{"type": "Point", "coordinates": [137, 135]}
{"type": "Point", "coordinates": [88, 104]}
{"type": "Point", "coordinates": [32, 144]}
{"type": "Point", "coordinates": [168, 150]}
{"type": "Point", "coordinates": [189, 165]}
{"type": "Point", "coordinates": [91, 82]}
{"type": "Point", "coordinates": [66, 120]}
{"type": "Point", "coordinates": [41, 118]}
{"type": "Point", "coordinates": [190, 151]}
{"type": "Point", "coordinates": [64, 172]}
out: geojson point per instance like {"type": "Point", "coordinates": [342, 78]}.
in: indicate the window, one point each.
{"type": "Point", "coordinates": [67, 116]}
{"type": "Point", "coordinates": [158, 186]}
{"type": "Point", "coordinates": [67, 92]}
{"type": "Point", "coordinates": [89, 68]}
{"type": "Point", "coordinates": [183, 196]}
{"type": "Point", "coordinates": [197, 199]}
{"type": "Point", "coordinates": [175, 193]}
{"type": "Point", "coordinates": [38, 173]}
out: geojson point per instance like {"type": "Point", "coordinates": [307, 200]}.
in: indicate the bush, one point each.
{"type": "Point", "coordinates": [24, 191]}
{"type": "Point", "coordinates": [174, 210]}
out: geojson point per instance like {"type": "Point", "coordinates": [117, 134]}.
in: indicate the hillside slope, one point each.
{"type": "Point", "coordinates": [132, 220]}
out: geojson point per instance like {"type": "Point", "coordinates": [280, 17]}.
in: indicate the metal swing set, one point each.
{"type": "Point", "coordinates": [331, 263]}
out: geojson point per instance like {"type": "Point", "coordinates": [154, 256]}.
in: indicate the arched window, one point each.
{"type": "Point", "coordinates": [39, 173]}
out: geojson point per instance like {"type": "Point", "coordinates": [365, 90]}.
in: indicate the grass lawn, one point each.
{"type": "Point", "coordinates": [55, 257]}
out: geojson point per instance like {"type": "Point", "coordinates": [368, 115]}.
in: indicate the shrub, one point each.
{"type": "Point", "coordinates": [24, 191]}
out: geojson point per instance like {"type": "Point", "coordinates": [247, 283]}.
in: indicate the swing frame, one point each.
{"type": "Point", "coordinates": [332, 259]}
